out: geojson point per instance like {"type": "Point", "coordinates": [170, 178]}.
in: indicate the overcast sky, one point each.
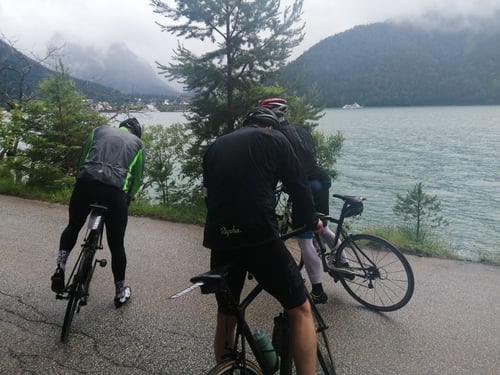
{"type": "Point", "coordinates": [32, 24]}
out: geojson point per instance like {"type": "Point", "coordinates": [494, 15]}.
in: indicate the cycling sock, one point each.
{"type": "Point", "coordinates": [119, 285]}
{"type": "Point", "coordinates": [62, 257]}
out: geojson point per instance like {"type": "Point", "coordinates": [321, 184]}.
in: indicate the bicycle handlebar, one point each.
{"type": "Point", "coordinates": [295, 232]}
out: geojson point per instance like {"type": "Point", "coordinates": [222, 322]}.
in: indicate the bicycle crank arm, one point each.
{"type": "Point", "coordinates": [342, 272]}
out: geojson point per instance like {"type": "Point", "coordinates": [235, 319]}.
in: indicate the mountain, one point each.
{"type": "Point", "coordinates": [403, 64]}
{"type": "Point", "coordinates": [116, 67]}
{"type": "Point", "coordinates": [19, 71]}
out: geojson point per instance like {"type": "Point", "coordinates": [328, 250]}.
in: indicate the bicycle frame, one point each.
{"type": "Point", "coordinates": [76, 290]}
{"type": "Point", "coordinates": [212, 281]}
{"type": "Point", "coordinates": [340, 234]}
{"type": "Point", "coordinates": [91, 243]}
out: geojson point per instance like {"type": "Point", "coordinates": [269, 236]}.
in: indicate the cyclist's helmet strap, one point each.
{"type": "Point", "coordinates": [261, 117]}
{"type": "Point", "coordinates": [133, 125]}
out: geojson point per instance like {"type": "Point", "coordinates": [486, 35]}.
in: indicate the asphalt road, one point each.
{"type": "Point", "coordinates": [451, 325]}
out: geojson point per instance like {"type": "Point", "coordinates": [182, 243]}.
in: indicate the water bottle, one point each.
{"type": "Point", "coordinates": [267, 349]}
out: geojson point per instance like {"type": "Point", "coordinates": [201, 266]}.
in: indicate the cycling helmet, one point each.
{"type": "Point", "coordinates": [275, 104]}
{"type": "Point", "coordinates": [262, 117]}
{"type": "Point", "coordinates": [133, 125]}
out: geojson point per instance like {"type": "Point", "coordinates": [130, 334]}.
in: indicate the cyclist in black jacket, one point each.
{"type": "Point", "coordinates": [110, 173]}
{"type": "Point", "coordinates": [240, 172]}
{"type": "Point", "coordinates": [320, 182]}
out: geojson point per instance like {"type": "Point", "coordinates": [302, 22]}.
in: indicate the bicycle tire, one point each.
{"type": "Point", "coordinates": [73, 299]}
{"type": "Point", "coordinates": [77, 290]}
{"type": "Point", "coordinates": [384, 279]}
{"type": "Point", "coordinates": [232, 366]}
{"type": "Point", "coordinates": [325, 359]}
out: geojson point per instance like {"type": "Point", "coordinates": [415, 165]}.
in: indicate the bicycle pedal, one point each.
{"type": "Point", "coordinates": [83, 302]}
{"type": "Point", "coordinates": [102, 262]}
{"type": "Point", "coordinates": [334, 275]}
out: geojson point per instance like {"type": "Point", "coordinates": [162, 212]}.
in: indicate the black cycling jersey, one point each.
{"type": "Point", "coordinates": [303, 144]}
{"type": "Point", "coordinates": [240, 172]}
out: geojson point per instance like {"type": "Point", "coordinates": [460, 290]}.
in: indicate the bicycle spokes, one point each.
{"type": "Point", "coordinates": [383, 277]}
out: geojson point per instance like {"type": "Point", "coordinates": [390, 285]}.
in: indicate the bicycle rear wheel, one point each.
{"type": "Point", "coordinates": [73, 298]}
{"type": "Point", "coordinates": [323, 352]}
{"type": "Point", "coordinates": [233, 367]}
{"type": "Point", "coordinates": [384, 279]}
{"type": "Point", "coordinates": [77, 291]}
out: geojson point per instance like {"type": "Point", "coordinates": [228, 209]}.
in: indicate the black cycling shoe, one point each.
{"type": "Point", "coordinates": [319, 298]}
{"type": "Point", "coordinates": [122, 297]}
{"type": "Point", "coordinates": [57, 280]}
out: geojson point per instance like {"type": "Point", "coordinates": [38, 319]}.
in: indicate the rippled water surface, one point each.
{"type": "Point", "coordinates": [453, 151]}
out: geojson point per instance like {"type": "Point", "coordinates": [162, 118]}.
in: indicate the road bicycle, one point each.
{"type": "Point", "coordinates": [76, 290]}
{"type": "Point", "coordinates": [237, 362]}
{"type": "Point", "coordinates": [372, 270]}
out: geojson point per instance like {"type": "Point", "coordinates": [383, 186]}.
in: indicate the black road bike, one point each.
{"type": "Point", "coordinates": [76, 290]}
{"type": "Point", "coordinates": [237, 362]}
{"type": "Point", "coordinates": [372, 270]}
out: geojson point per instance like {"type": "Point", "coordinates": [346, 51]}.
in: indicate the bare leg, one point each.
{"type": "Point", "coordinates": [303, 339]}
{"type": "Point", "coordinates": [224, 335]}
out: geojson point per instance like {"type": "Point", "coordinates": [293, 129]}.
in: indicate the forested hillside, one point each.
{"type": "Point", "coordinates": [20, 73]}
{"type": "Point", "coordinates": [389, 64]}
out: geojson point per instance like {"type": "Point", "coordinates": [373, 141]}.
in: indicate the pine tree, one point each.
{"type": "Point", "coordinates": [419, 208]}
{"type": "Point", "coordinates": [60, 122]}
{"type": "Point", "coordinates": [251, 40]}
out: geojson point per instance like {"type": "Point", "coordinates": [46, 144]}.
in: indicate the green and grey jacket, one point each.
{"type": "Point", "coordinates": [113, 157]}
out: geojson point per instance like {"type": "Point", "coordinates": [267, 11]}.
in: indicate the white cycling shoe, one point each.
{"type": "Point", "coordinates": [123, 296]}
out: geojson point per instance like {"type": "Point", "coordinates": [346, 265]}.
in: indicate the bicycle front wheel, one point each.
{"type": "Point", "coordinates": [233, 367]}
{"type": "Point", "coordinates": [323, 352]}
{"type": "Point", "coordinates": [383, 278]}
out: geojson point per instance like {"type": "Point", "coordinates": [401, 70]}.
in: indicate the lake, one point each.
{"type": "Point", "coordinates": [453, 151]}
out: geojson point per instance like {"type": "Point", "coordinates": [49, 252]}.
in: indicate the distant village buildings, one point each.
{"type": "Point", "coordinates": [138, 104]}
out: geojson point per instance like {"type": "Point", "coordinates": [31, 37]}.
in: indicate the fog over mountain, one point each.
{"type": "Point", "coordinates": [116, 67]}
{"type": "Point", "coordinates": [437, 62]}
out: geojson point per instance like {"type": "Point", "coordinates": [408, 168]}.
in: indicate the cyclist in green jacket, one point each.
{"type": "Point", "coordinates": [110, 173]}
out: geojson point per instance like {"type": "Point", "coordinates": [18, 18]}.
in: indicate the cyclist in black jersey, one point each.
{"type": "Point", "coordinates": [320, 182]}
{"type": "Point", "coordinates": [240, 173]}
{"type": "Point", "coordinates": [110, 173]}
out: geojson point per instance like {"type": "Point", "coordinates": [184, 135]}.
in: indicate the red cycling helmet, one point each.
{"type": "Point", "coordinates": [275, 104]}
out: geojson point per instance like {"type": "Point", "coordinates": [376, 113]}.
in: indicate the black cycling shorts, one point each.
{"type": "Point", "coordinates": [273, 267]}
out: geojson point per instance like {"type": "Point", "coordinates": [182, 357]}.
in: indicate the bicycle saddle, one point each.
{"type": "Point", "coordinates": [350, 199]}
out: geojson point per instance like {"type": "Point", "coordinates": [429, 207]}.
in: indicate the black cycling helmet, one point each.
{"type": "Point", "coordinates": [277, 105]}
{"type": "Point", "coordinates": [262, 117]}
{"type": "Point", "coordinates": [133, 125]}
